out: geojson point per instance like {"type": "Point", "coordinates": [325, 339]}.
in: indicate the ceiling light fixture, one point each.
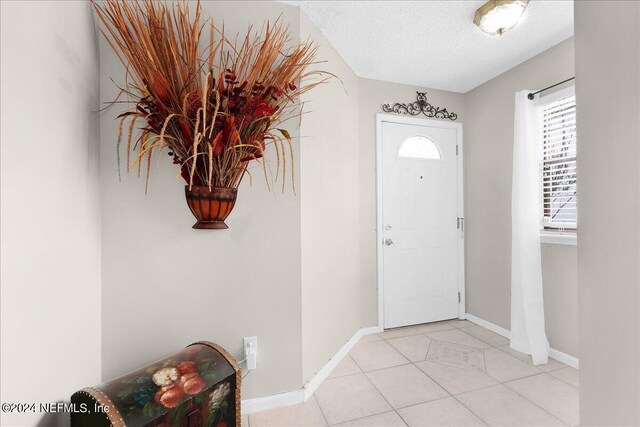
{"type": "Point", "coordinates": [497, 16]}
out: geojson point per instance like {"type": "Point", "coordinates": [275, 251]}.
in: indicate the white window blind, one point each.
{"type": "Point", "coordinates": [559, 190]}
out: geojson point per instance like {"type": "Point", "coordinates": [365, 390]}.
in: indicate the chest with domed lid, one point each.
{"type": "Point", "coordinates": [197, 387]}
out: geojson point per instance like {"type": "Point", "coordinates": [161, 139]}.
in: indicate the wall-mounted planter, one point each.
{"type": "Point", "coordinates": [210, 207]}
{"type": "Point", "coordinates": [216, 110]}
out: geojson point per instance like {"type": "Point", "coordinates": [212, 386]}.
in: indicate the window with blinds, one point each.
{"type": "Point", "coordinates": [559, 191]}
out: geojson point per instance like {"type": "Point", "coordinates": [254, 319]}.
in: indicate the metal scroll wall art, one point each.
{"type": "Point", "coordinates": [419, 106]}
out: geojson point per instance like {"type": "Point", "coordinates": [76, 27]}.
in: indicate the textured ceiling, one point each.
{"type": "Point", "coordinates": [434, 44]}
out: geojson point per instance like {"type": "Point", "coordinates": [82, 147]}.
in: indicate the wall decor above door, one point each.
{"type": "Point", "coordinates": [419, 106]}
{"type": "Point", "coordinates": [213, 110]}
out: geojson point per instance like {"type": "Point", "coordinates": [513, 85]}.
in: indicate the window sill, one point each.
{"type": "Point", "coordinates": [558, 238]}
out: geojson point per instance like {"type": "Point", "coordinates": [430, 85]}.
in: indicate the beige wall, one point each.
{"type": "Point", "coordinates": [560, 287]}
{"type": "Point", "coordinates": [488, 160]}
{"type": "Point", "coordinates": [338, 200]}
{"type": "Point", "coordinates": [607, 38]}
{"type": "Point", "coordinates": [488, 141]}
{"type": "Point", "coordinates": [329, 158]}
{"type": "Point", "coordinates": [321, 281]}
{"type": "Point", "coordinates": [303, 301]}
{"type": "Point", "coordinates": [50, 242]}
{"type": "Point", "coordinates": [372, 94]}
{"type": "Point", "coordinates": [165, 285]}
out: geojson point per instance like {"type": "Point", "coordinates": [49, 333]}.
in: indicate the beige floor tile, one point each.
{"type": "Point", "coordinates": [405, 385]}
{"type": "Point", "coordinates": [413, 347]}
{"type": "Point", "coordinates": [304, 414]}
{"type": "Point", "coordinates": [442, 412]}
{"type": "Point", "coordinates": [486, 335]}
{"type": "Point", "coordinates": [551, 394]}
{"type": "Point", "coordinates": [376, 355]}
{"type": "Point", "coordinates": [461, 323]}
{"type": "Point", "coordinates": [458, 336]}
{"type": "Point", "coordinates": [500, 406]}
{"type": "Point", "coordinates": [388, 419]}
{"type": "Point", "coordinates": [346, 367]}
{"type": "Point", "coordinates": [456, 355]}
{"type": "Point", "coordinates": [459, 360]}
{"type": "Point", "coordinates": [455, 379]}
{"type": "Point", "coordinates": [521, 356]}
{"type": "Point", "coordinates": [349, 398]}
{"type": "Point", "coordinates": [570, 376]}
{"type": "Point", "coordinates": [399, 332]}
{"type": "Point", "coordinates": [504, 367]}
{"type": "Point", "coordinates": [371, 338]}
{"type": "Point", "coordinates": [552, 365]}
{"type": "Point", "coordinates": [434, 327]}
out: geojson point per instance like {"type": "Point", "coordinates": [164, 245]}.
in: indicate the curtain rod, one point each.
{"type": "Point", "coordinates": [533, 94]}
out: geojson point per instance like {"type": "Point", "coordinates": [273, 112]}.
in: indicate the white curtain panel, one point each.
{"type": "Point", "coordinates": [527, 306]}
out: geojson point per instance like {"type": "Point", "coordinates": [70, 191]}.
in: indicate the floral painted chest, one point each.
{"type": "Point", "coordinates": [199, 386]}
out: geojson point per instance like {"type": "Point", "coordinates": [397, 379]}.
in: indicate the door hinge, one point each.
{"type": "Point", "coordinates": [456, 149]}
{"type": "Point", "coordinates": [460, 224]}
{"type": "Point", "coordinates": [459, 298]}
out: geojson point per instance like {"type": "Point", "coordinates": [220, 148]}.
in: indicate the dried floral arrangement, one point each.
{"type": "Point", "coordinates": [213, 105]}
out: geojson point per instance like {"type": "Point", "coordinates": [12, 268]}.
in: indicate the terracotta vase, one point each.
{"type": "Point", "coordinates": [210, 207]}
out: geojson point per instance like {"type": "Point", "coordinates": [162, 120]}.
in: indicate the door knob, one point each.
{"type": "Point", "coordinates": [388, 242]}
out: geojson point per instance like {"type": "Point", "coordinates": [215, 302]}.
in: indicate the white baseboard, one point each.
{"type": "Point", "coordinates": [565, 358]}
{"type": "Point", "coordinates": [490, 326]}
{"type": "Point", "coordinates": [281, 400]}
{"type": "Point", "coordinates": [312, 385]}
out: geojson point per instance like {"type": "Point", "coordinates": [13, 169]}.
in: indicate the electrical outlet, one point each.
{"type": "Point", "coordinates": [251, 352]}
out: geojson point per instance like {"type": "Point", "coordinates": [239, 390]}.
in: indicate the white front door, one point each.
{"type": "Point", "coordinates": [421, 231]}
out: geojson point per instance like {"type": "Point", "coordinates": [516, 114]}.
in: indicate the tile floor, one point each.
{"type": "Point", "coordinates": [450, 373]}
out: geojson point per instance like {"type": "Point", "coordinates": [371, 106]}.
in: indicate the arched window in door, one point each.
{"type": "Point", "coordinates": [419, 147]}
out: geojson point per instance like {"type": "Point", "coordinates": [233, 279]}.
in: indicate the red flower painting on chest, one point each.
{"type": "Point", "coordinates": [176, 382]}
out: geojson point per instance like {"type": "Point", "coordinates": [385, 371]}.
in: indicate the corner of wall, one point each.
{"type": "Point", "coordinates": [50, 254]}
{"type": "Point", "coordinates": [331, 283]}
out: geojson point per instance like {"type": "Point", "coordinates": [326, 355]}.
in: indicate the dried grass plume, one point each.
{"type": "Point", "coordinates": [212, 104]}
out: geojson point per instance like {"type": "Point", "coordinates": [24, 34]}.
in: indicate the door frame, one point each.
{"type": "Point", "coordinates": [391, 118]}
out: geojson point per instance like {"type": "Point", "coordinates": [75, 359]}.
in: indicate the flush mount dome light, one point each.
{"type": "Point", "coordinates": [497, 16]}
